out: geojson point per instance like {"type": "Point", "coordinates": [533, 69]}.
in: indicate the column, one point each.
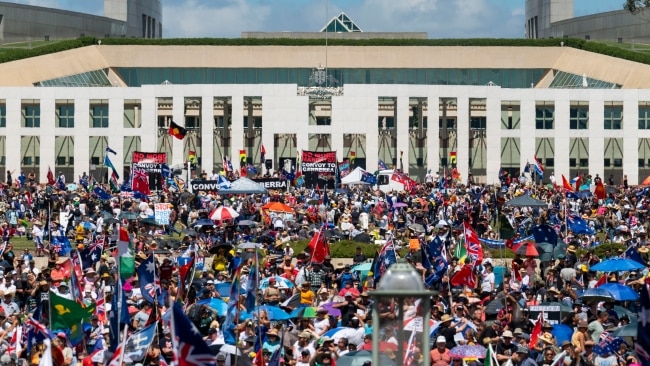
{"type": "Point", "coordinates": [596, 134]}
{"type": "Point", "coordinates": [631, 138]}
{"type": "Point", "coordinates": [237, 140]}
{"type": "Point", "coordinates": [462, 128]}
{"type": "Point", "coordinates": [527, 128]}
{"type": "Point", "coordinates": [207, 132]}
{"type": "Point", "coordinates": [433, 132]}
{"type": "Point", "coordinates": [562, 134]}
{"type": "Point", "coordinates": [81, 133]}
{"type": "Point", "coordinates": [403, 132]}
{"type": "Point", "coordinates": [493, 138]}
{"type": "Point", "coordinates": [178, 116]}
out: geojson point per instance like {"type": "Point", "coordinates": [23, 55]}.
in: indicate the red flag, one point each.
{"type": "Point", "coordinates": [50, 177]}
{"type": "Point", "coordinates": [318, 247]}
{"type": "Point", "coordinates": [599, 191]}
{"type": "Point", "coordinates": [472, 243]}
{"type": "Point", "coordinates": [601, 281]}
{"type": "Point", "coordinates": [510, 243]}
{"type": "Point", "coordinates": [537, 331]}
{"type": "Point", "coordinates": [515, 271]}
{"type": "Point", "coordinates": [566, 184]}
{"type": "Point", "coordinates": [464, 277]}
{"type": "Point", "coordinates": [578, 184]}
{"type": "Point", "coordinates": [140, 181]}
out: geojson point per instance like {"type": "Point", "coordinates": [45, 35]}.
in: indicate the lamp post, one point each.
{"type": "Point", "coordinates": [401, 281]}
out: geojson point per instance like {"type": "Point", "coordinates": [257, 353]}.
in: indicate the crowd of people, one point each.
{"type": "Point", "coordinates": [291, 305]}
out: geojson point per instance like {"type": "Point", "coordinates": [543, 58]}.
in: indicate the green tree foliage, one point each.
{"type": "Point", "coordinates": [636, 6]}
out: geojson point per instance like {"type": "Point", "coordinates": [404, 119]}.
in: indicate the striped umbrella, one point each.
{"type": "Point", "coordinates": [223, 213]}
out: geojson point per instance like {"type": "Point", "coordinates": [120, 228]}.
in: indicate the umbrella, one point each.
{"type": "Point", "coordinates": [526, 201]}
{"type": "Point", "coordinates": [620, 311]}
{"type": "Point", "coordinates": [358, 358]}
{"type": "Point", "coordinates": [544, 247]}
{"type": "Point", "coordinates": [278, 207]}
{"type": "Point", "coordinates": [562, 333]}
{"type": "Point", "coordinates": [112, 221]}
{"type": "Point", "coordinates": [282, 282]}
{"type": "Point", "coordinates": [128, 215]}
{"type": "Point", "coordinates": [247, 223]}
{"type": "Point", "coordinates": [363, 238]}
{"type": "Point", "coordinates": [628, 330]}
{"type": "Point", "coordinates": [528, 249]}
{"type": "Point", "coordinates": [494, 306]}
{"type": "Point", "coordinates": [223, 213]}
{"type": "Point", "coordinates": [331, 310]}
{"type": "Point", "coordinates": [363, 269]}
{"type": "Point", "coordinates": [218, 305]}
{"type": "Point", "coordinates": [203, 222]}
{"type": "Point", "coordinates": [230, 352]}
{"type": "Point", "coordinates": [417, 228]}
{"type": "Point", "coordinates": [249, 245]}
{"type": "Point", "coordinates": [223, 288]}
{"type": "Point", "coordinates": [71, 187]}
{"type": "Point", "coordinates": [340, 332]}
{"type": "Point", "coordinates": [274, 312]}
{"type": "Point", "coordinates": [214, 249]}
{"type": "Point", "coordinates": [149, 221]}
{"type": "Point", "coordinates": [617, 264]}
{"type": "Point", "coordinates": [400, 205]}
{"type": "Point", "coordinates": [466, 351]}
{"type": "Point", "coordinates": [304, 312]}
{"type": "Point", "coordinates": [592, 295]}
{"type": "Point", "coordinates": [89, 225]}
{"type": "Point", "coordinates": [415, 323]}
{"type": "Point", "coordinates": [621, 292]}
{"type": "Point", "coordinates": [293, 302]}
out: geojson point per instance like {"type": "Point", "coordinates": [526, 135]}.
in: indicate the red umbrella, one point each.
{"type": "Point", "coordinates": [528, 249]}
{"type": "Point", "coordinates": [223, 213]}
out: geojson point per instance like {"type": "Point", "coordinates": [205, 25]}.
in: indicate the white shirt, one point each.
{"type": "Point", "coordinates": [488, 282]}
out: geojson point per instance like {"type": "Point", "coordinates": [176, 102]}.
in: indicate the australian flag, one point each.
{"type": "Point", "coordinates": [189, 346]}
{"type": "Point", "coordinates": [633, 254]}
{"type": "Point", "coordinates": [149, 282]}
{"type": "Point", "coordinates": [382, 165]}
{"type": "Point", "coordinates": [545, 234]}
{"type": "Point", "coordinates": [385, 258]}
{"type": "Point", "coordinates": [439, 267]}
{"type": "Point", "coordinates": [643, 331]}
{"type": "Point", "coordinates": [61, 244]}
{"type": "Point", "coordinates": [435, 247]}
{"type": "Point", "coordinates": [102, 194]}
{"type": "Point", "coordinates": [138, 344]}
{"type": "Point", "coordinates": [578, 225]}
{"type": "Point", "coordinates": [92, 253]}
{"type": "Point", "coordinates": [369, 178]}
{"type": "Point", "coordinates": [117, 319]}
{"type": "Point", "coordinates": [36, 333]}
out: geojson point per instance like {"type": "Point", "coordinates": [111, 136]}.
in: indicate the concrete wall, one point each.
{"type": "Point", "coordinates": [350, 35]}
{"type": "Point", "coordinates": [540, 14]}
{"type": "Point", "coordinates": [608, 26]}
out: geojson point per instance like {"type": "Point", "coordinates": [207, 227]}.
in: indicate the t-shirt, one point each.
{"type": "Point", "coordinates": [506, 349]}
{"type": "Point", "coordinates": [488, 281]}
{"type": "Point", "coordinates": [596, 329]}
{"type": "Point", "coordinates": [605, 361]}
{"type": "Point", "coordinates": [307, 297]}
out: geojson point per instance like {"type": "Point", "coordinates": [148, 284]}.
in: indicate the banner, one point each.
{"type": "Point", "coordinates": [318, 162]}
{"type": "Point", "coordinates": [552, 313]}
{"type": "Point", "coordinates": [151, 163]}
{"type": "Point", "coordinates": [149, 157]}
{"type": "Point", "coordinates": [205, 185]}
{"type": "Point", "coordinates": [162, 211]}
{"type": "Point", "coordinates": [199, 263]}
{"type": "Point", "coordinates": [286, 165]}
{"type": "Point", "coordinates": [273, 183]}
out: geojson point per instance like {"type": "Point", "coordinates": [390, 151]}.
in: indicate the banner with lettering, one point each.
{"type": "Point", "coordinates": [162, 211]}
{"type": "Point", "coordinates": [318, 162]}
{"type": "Point", "coordinates": [273, 183]}
{"type": "Point", "coordinates": [151, 163]}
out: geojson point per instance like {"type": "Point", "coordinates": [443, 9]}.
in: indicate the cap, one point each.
{"type": "Point", "coordinates": [304, 335]}
{"type": "Point", "coordinates": [61, 335]}
{"type": "Point", "coordinates": [221, 357]}
{"type": "Point", "coordinates": [441, 339]}
{"type": "Point", "coordinates": [522, 349]}
{"type": "Point", "coordinates": [565, 343]}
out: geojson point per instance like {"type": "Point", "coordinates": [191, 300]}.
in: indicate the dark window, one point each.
{"type": "Point", "coordinates": [65, 116]}
{"type": "Point", "coordinates": [584, 163]}
{"type": "Point", "coordinates": [572, 162]}
{"type": "Point", "coordinates": [550, 162]}
{"type": "Point", "coordinates": [99, 116]}
{"type": "Point", "coordinates": [579, 118]}
{"type": "Point", "coordinates": [613, 119]}
{"type": "Point", "coordinates": [544, 117]}
{"type": "Point", "coordinates": [32, 116]}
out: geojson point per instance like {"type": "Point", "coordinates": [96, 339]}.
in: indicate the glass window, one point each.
{"type": "Point", "coordinates": [579, 117]}
{"type": "Point", "coordinates": [584, 163]}
{"type": "Point", "coordinates": [613, 119]}
{"type": "Point", "coordinates": [65, 115]}
{"type": "Point", "coordinates": [550, 162]}
{"type": "Point", "coordinates": [477, 123]}
{"type": "Point", "coordinates": [544, 116]}
{"type": "Point", "coordinates": [32, 115]}
{"type": "Point", "coordinates": [644, 117]}
{"type": "Point", "coordinates": [572, 162]}
{"type": "Point", "coordinates": [3, 115]}
{"type": "Point", "coordinates": [99, 116]}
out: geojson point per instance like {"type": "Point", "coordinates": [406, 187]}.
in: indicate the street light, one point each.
{"type": "Point", "coordinates": [401, 281]}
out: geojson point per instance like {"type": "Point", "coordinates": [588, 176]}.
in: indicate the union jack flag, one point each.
{"type": "Point", "coordinates": [190, 348]}
{"type": "Point", "coordinates": [15, 344]}
{"type": "Point", "coordinates": [385, 258]}
{"type": "Point", "coordinates": [128, 194]}
{"type": "Point", "coordinates": [139, 174]}
{"type": "Point", "coordinates": [100, 309]}
{"type": "Point", "coordinates": [409, 357]}
{"type": "Point", "coordinates": [472, 243]}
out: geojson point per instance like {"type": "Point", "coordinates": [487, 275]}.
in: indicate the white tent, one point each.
{"type": "Point", "coordinates": [355, 177]}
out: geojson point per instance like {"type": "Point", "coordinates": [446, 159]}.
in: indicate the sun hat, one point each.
{"type": "Point", "coordinates": [441, 339]}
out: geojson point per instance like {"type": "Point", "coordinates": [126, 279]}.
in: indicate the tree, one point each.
{"type": "Point", "coordinates": [636, 6]}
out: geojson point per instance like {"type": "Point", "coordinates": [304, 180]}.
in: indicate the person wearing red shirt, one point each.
{"type": "Point", "coordinates": [166, 269]}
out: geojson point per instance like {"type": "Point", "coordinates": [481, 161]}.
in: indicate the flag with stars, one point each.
{"type": "Point", "coordinates": [93, 252]}
{"type": "Point", "coordinates": [149, 282]}
{"type": "Point", "coordinates": [61, 244]}
{"type": "Point", "coordinates": [545, 234]}
{"type": "Point", "coordinates": [385, 258]}
{"type": "Point", "coordinates": [472, 243]}
{"type": "Point", "coordinates": [643, 331]}
{"type": "Point", "coordinates": [189, 347]}
{"type": "Point", "coordinates": [137, 345]}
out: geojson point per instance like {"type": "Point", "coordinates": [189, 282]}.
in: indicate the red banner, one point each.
{"type": "Point", "coordinates": [319, 162]}
{"type": "Point", "coordinates": [149, 157]}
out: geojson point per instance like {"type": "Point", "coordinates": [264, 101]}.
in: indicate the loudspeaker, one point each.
{"type": "Point", "coordinates": [268, 163]}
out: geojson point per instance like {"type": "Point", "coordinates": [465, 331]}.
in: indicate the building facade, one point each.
{"type": "Point", "coordinates": [490, 107]}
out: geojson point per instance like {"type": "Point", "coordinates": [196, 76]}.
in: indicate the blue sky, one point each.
{"type": "Point", "coordinates": [439, 18]}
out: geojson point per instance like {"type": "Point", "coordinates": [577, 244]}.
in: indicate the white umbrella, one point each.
{"type": "Point", "coordinates": [223, 213]}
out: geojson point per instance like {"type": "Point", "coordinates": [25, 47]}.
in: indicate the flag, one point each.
{"type": "Point", "coordinates": [46, 357]}
{"type": "Point", "coordinates": [544, 234]}
{"type": "Point", "coordinates": [460, 251]}
{"type": "Point", "coordinates": [537, 331]}
{"type": "Point", "coordinates": [601, 281]}
{"type": "Point", "coordinates": [189, 347]}
{"type": "Point", "coordinates": [61, 244]}
{"type": "Point", "coordinates": [66, 312]}
{"type": "Point", "coordinates": [149, 281]}
{"type": "Point", "coordinates": [599, 191]}
{"type": "Point", "coordinates": [410, 354]}
{"type": "Point", "coordinates": [125, 254]}
{"type": "Point", "coordinates": [251, 169]}
{"type": "Point", "coordinates": [566, 184]}
{"type": "Point", "coordinates": [15, 345]}
{"type": "Point", "coordinates": [140, 181]}
{"type": "Point", "coordinates": [109, 150]}
{"type": "Point", "coordinates": [579, 226]}
{"type": "Point", "coordinates": [578, 182]}
{"type": "Point", "coordinates": [227, 165]}
{"type": "Point", "coordinates": [464, 277]}
{"type": "Point", "coordinates": [452, 158]}
{"type": "Point", "coordinates": [50, 177]}
{"type": "Point", "coordinates": [251, 287]}
{"type": "Point", "coordinates": [385, 258]}
{"type": "Point", "coordinates": [177, 131]}
{"type": "Point", "coordinates": [559, 359]}
{"type": "Point", "coordinates": [318, 246]}
{"type": "Point", "coordinates": [102, 194]}
{"type": "Point", "coordinates": [515, 271]}
{"type": "Point", "coordinates": [643, 330]}
{"type": "Point", "coordinates": [490, 357]}
{"type": "Point", "coordinates": [231, 313]}
{"type": "Point", "coordinates": [527, 168]}
{"type": "Point", "coordinates": [472, 243]}
{"type": "Point", "coordinates": [119, 315]}
{"type": "Point", "coordinates": [242, 158]}
{"type": "Point", "coordinates": [183, 277]}
{"type": "Point", "coordinates": [137, 344]}
{"type": "Point", "coordinates": [108, 163]}
{"type": "Point", "coordinates": [36, 333]}
{"type": "Point", "coordinates": [223, 182]}
{"type": "Point", "coordinates": [539, 168]}
{"type": "Point", "coordinates": [115, 187]}
{"type": "Point", "coordinates": [633, 254]}
{"type": "Point", "coordinates": [353, 157]}
{"type": "Point", "coordinates": [262, 153]}
{"type": "Point", "coordinates": [381, 165]}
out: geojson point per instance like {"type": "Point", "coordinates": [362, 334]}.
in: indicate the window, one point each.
{"type": "Point", "coordinates": [550, 162]}
{"type": "Point", "coordinates": [477, 123]}
{"type": "Point", "coordinates": [192, 122]}
{"type": "Point", "coordinates": [31, 116]}
{"type": "Point", "coordinates": [99, 116]}
{"type": "Point", "coordinates": [613, 118]}
{"type": "Point", "coordinates": [579, 117]}
{"type": "Point", "coordinates": [618, 163]}
{"type": "Point", "coordinates": [60, 160]}
{"type": "Point", "coordinates": [584, 163]}
{"type": "Point", "coordinates": [544, 116]}
{"type": "Point", "coordinates": [27, 160]}
{"type": "Point", "coordinates": [607, 163]}
{"type": "Point", "coordinates": [644, 117]}
{"type": "Point", "coordinates": [451, 123]}
{"type": "Point", "coordinates": [257, 122]}
{"type": "Point", "coordinates": [65, 115]}
{"type": "Point", "coordinates": [94, 160]}
{"type": "Point", "coordinates": [3, 115]}
{"type": "Point", "coordinates": [641, 163]}
{"type": "Point", "coordinates": [323, 121]}
{"type": "Point", "coordinates": [163, 121]}
{"type": "Point", "coordinates": [572, 162]}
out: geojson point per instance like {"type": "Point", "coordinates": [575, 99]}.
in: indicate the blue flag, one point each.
{"type": "Point", "coordinates": [382, 165]}
{"type": "Point", "coordinates": [140, 196]}
{"type": "Point", "coordinates": [190, 346]}
{"type": "Point", "coordinates": [102, 194]}
{"type": "Point", "coordinates": [109, 150]}
{"type": "Point", "coordinates": [578, 225]}
{"type": "Point", "coordinates": [138, 343]}
{"type": "Point", "coordinates": [369, 178]}
{"type": "Point", "coordinates": [634, 255]}
{"type": "Point", "coordinates": [165, 171]}
{"type": "Point", "coordinates": [435, 247]}
{"type": "Point", "coordinates": [108, 163]}
{"type": "Point", "coordinates": [223, 182]}
{"type": "Point", "coordinates": [642, 346]}
{"type": "Point", "coordinates": [426, 261]}
{"type": "Point", "coordinates": [149, 283]}
{"type": "Point", "coordinates": [326, 199]}
{"type": "Point", "coordinates": [439, 267]}
{"type": "Point", "coordinates": [385, 258]}
{"type": "Point", "coordinates": [116, 321]}
{"type": "Point", "coordinates": [545, 234]}
{"type": "Point", "coordinates": [61, 244]}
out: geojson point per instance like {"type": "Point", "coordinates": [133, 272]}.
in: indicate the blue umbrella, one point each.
{"type": "Point", "coordinates": [274, 313]}
{"type": "Point", "coordinates": [223, 289]}
{"type": "Point", "coordinates": [592, 295]}
{"type": "Point", "coordinates": [617, 264]}
{"type": "Point", "coordinates": [621, 292]}
{"type": "Point", "coordinates": [217, 304]}
{"type": "Point", "coordinates": [562, 333]}
{"type": "Point", "coordinates": [89, 225]}
{"type": "Point", "coordinates": [203, 222]}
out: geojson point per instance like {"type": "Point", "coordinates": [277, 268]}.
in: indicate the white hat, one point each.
{"type": "Point", "coordinates": [441, 339]}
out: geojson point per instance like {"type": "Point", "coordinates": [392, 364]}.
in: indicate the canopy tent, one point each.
{"type": "Point", "coordinates": [244, 186]}
{"type": "Point", "coordinates": [355, 177]}
{"type": "Point", "coordinates": [526, 201]}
